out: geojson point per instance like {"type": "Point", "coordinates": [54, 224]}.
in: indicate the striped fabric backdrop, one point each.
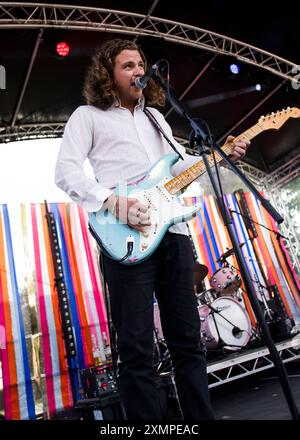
{"type": "Point", "coordinates": [17, 387]}
{"type": "Point", "coordinates": [27, 293]}
{"type": "Point", "coordinates": [35, 375]}
{"type": "Point", "coordinates": [265, 256]}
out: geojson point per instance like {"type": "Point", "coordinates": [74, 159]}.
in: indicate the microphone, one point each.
{"type": "Point", "coordinates": [142, 81]}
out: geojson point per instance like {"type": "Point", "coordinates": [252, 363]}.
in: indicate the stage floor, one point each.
{"type": "Point", "coordinates": [257, 397]}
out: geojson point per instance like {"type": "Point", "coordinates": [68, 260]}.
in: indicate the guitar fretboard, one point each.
{"type": "Point", "coordinates": [190, 174]}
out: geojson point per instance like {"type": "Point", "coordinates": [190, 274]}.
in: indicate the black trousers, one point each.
{"type": "Point", "coordinates": [168, 273]}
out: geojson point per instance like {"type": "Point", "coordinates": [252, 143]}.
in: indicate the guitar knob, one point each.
{"type": "Point", "coordinates": [145, 234]}
{"type": "Point", "coordinates": [144, 246]}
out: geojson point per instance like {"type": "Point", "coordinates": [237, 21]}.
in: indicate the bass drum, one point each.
{"type": "Point", "coordinates": [233, 322]}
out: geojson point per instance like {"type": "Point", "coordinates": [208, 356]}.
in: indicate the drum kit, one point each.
{"type": "Point", "coordinates": [225, 323]}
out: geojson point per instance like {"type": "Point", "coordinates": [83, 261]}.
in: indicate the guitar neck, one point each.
{"type": "Point", "coordinates": [190, 174]}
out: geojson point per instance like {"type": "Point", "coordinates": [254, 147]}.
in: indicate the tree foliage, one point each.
{"type": "Point", "coordinates": [291, 196]}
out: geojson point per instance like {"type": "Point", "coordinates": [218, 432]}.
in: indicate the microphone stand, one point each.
{"type": "Point", "coordinates": [202, 135]}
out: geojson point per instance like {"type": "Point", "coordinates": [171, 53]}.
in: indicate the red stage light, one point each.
{"type": "Point", "coordinates": [62, 49]}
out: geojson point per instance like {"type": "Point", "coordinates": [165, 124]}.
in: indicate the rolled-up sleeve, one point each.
{"type": "Point", "coordinates": [69, 171]}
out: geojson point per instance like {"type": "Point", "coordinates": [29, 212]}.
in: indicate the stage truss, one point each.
{"type": "Point", "coordinates": [24, 132]}
{"type": "Point", "coordinates": [244, 364]}
{"type": "Point", "coordinates": [39, 15]}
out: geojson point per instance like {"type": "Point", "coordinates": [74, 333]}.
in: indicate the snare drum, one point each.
{"type": "Point", "coordinates": [225, 281]}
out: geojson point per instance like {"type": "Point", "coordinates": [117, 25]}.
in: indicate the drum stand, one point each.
{"type": "Point", "coordinates": [162, 363]}
{"type": "Point", "coordinates": [165, 374]}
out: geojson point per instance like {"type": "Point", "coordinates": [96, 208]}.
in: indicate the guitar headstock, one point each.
{"type": "Point", "coordinates": [276, 120]}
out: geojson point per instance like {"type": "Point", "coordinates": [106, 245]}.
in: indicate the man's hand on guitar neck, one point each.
{"type": "Point", "coordinates": [239, 148]}
{"type": "Point", "coordinates": [130, 211]}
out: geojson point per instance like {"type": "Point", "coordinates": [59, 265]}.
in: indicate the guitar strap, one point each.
{"type": "Point", "coordinates": [159, 128]}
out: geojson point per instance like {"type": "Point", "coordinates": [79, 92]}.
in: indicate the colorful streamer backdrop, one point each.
{"type": "Point", "coordinates": [35, 375]}
{"type": "Point", "coordinates": [265, 256]}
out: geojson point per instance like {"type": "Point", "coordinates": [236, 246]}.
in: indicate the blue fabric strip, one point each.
{"type": "Point", "coordinates": [28, 384]}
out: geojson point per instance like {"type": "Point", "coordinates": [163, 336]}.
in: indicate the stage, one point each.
{"type": "Point", "coordinates": [244, 385]}
{"type": "Point", "coordinates": [258, 397]}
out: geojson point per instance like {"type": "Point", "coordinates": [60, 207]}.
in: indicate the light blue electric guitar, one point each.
{"type": "Point", "coordinates": [161, 190]}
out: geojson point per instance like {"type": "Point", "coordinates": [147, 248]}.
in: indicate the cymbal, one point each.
{"type": "Point", "coordinates": [200, 271]}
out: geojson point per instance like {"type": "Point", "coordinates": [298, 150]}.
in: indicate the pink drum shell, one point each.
{"type": "Point", "coordinates": [225, 281]}
{"type": "Point", "coordinates": [208, 331]}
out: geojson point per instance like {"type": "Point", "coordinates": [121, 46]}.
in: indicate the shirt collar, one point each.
{"type": "Point", "coordinates": [141, 103]}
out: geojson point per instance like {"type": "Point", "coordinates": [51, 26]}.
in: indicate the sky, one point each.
{"type": "Point", "coordinates": [27, 172]}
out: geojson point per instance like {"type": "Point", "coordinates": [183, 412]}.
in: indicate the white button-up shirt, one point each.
{"type": "Point", "coordinates": [119, 145]}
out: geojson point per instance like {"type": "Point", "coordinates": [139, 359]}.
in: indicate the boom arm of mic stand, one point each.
{"type": "Point", "coordinates": [266, 204]}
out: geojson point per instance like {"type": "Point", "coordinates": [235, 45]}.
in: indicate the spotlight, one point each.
{"type": "Point", "coordinates": [56, 42]}
{"type": "Point", "coordinates": [234, 68]}
{"type": "Point", "coordinates": [62, 49]}
{"type": "Point", "coordinates": [258, 87]}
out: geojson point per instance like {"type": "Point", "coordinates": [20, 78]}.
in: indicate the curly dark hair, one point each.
{"type": "Point", "coordinates": [99, 88]}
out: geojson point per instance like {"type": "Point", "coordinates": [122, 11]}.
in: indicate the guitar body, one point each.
{"type": "Point", "coordinates": [165, 210]}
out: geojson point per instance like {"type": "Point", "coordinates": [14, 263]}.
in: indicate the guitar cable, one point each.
{"type": "Point", "coordinates": [129, 246]}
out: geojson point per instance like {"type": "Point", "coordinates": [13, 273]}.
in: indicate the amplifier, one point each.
{"type": "Point", "coordinates": [99, 381]}
{"type": "Point", "coordinates": [102, 408]}
{"type": "Point", "coordinates": [275, 302]}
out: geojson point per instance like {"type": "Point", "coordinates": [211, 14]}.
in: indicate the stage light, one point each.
{"type": "Point", "coordinates": [62, 49]}
{"type": "Point", "coordinates": [258, 87]}
{"type": "Point", "coordinates": [234, 68]}
{"type": "Point", "coordinates": [57, 42]}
